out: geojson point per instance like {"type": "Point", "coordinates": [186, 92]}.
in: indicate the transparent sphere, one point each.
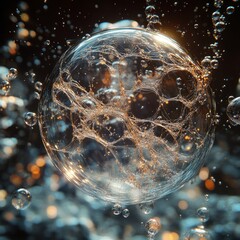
{"type": "Point", "coordinates": [198, 233]}
{"type": "Point", "coordinates": [21, 199]}
{"type": "Point", "coordinates": [233, 110]}
{"type": "Point", "coordinates": [126, 115]}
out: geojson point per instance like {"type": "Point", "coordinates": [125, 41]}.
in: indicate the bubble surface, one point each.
{"type": "Point", "coordinates": [199, 233]}
{"type": "Point", "coordinates": [203, 214]}
{"type": "Point", "coordinates": [21, 199]}
{"type": "Point", "coordinates": [30, 118]}
{"type": "Point", "coordinates": [233, 110]}
{"type": "Point", "coordinates": [123, 117]}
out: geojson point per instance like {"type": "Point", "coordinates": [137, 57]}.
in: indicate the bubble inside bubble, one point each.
{"type": "Point", "coordinates": [21, 199]}
{"type": "Point", "coordinates": [126, 115]}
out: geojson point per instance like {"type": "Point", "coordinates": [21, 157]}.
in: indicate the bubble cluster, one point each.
{"type": "Point", "coordinates": [21, 199]}
{"type": "Point", "coordinates": [126, 115]}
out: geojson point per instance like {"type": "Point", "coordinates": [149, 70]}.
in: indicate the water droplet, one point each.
{"type": "Point", "coordinates": [21, 199]}
{"type": "Point", "coordinates": [214, 63]}
{"type": "Point", "coordinates": [146, 208]}
{"type": "Point", "coordinates": [38, 86]}
{"type": "Point", "coordinates": [12, 73]}
{"type": "Point", "coordinates": [203, 214]}
{"type": "Point", "coordinates": [4, 87]}
{"type": "Point", "coordinates": [30, 118]}
{"type": "Point", "coordinates": [230, 10]}
{"type": "Point", "coordinates": [153, 226]}
{"type": "Point", "coordinates": [233, 110]}
{"type": "Point", "coordinates": [199, 233]}
{"type": "Point", "coordinates": [195, 26]}
{"type": "Point", "coordinates": [125, 213]}
{"type": "Point", "coordinates": [117, 209]}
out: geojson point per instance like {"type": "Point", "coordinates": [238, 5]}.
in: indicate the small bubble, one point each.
{"type": "Point", "coordinates": [214, 64]}
{"type": "Point", "coordinates": [36, 95]}
{"type": "Point", "coordinates": [203, 214]}
{"type": "Point", "coordinates": [206, 62]}
{"type": "Point", "coordinates": [153, 226]}
{"type": "Point", "coordinates": [215, 17]}
{"type": "Point", "coordinates": [12, 73]}
{"type": "Point", "coordinates": [30, 118]}
{"type": "Point", "coordinates": [199, 233]}
{"type": "Point", "coordinates": [230, 98]}
{"type": "Point", "coordinates": [117, 209]}
{"type": "Point", "coordinates": [233, 110]}
{"type": "Point", "coordinates": [21, 199]}
{"type": "Point", "coordinates": [220, 26]}
{"type": "Point", "coordinates": [125, 213]}
{"type": "Point", "coordinates": [230, 10]}
{"type": "Point", "coordinates": [146, 208]}
{"type": "Point", "coordinates": [206, 197]}
{"type": "Point", "coordinates": [4, 87]}
{"type": "Point", "coordinates": [150, 10]}
{"type": "Point", "coordinates": [38, 86]}
{"type": "Point", "coordinates": [195, 26]}
{"type": "Point", "coordinates": [47, 42]}
{"type": "Point", "coordinates": [218, 3]}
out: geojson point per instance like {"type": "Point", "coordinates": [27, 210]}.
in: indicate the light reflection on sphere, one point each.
{"type": "Point", "coordinates": [126, 115]}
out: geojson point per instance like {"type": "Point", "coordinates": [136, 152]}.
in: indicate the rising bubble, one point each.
{"type": "Point", "coordinates": [198, 234]}
{"type": "Point", "coordinates": [153, 225]}
{"type": "Point", "coordinates": [21, 199]}
{"type": "Point", "coordinates": [203, 214]}
{"type": "Point", "coordinates": [117, 209]}
{"type": "Point", "coordinates": [233, 110]}
{"type": "Point", "coordinates": [230, 10]}
{"type": "Point", "coordinates": [30, 118]}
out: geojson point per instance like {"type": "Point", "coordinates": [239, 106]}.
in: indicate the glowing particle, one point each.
{"type": "Point", "coordinates": [21, 199]}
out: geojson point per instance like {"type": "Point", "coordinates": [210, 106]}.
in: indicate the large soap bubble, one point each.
{"type": "Point", "coordinates": [126, 115]}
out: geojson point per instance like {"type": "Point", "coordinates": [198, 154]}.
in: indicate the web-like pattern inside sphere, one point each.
{"type": "Point", "coordinates": [126, 115]}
